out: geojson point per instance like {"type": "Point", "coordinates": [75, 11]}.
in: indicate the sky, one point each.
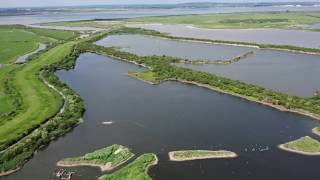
{"type": "Point", "coordinates": [39, 3]}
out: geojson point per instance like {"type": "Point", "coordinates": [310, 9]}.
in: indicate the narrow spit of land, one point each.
{"type": "Point", "coordinates": [188, 155]}
{"type": "Point", "coordinates": [106, 159]}
{"type": "Point", "coordinates": [304, 146]}
{"type": "Point", "coordinates": [138, 169]}
{"type": "Point", "coordinates": [316, 130]}
{"type": "Point", "coordinates": [217, 62]}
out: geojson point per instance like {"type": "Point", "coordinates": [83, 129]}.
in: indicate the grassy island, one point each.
{"type": "Point", "coordinates": [146, 76]}
{"type": "Point", "coordinates": [106, 159]}
{"type": "Point", "coordinates": [305, 146]}
{"type": "Point", "coordinates": [316, 131]}
{"type": "Point", "coordinates": [188, 155]}
{"type": "Point", "coordinates": [137, 170]}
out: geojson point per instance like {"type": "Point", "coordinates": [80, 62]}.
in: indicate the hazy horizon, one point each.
{"type": "Point", "coordinates": [50, 3]}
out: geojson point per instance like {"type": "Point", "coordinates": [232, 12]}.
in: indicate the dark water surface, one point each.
{"type": "Point", "coordinates": [174, 116]}
{"type": "Point", "coordinates": [288, 72]}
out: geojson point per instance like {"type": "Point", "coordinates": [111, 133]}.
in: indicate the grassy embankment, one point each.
{"type": "Point", "coordinates": [188, 155]}
{"type": "Point", "coordinates": [305, 146]}
{"type": "Point", "coordinates": [5, 101]}
{"type": "Point", "coordinates": [40, 108]}
{"type": "Point", "coordinates": [106, 159]}
{"type": "Point", "coordinates": [138, 169]}
{"type": "Point", "coordinates": [286, 20]}
{"type": "Point", "coordinates": [162, 68]}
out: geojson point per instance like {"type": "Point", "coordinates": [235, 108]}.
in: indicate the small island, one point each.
{"type": "Point", "coordinates": [316, 130]}
{"type": "Point", "coordinates": [138, 169]}
{"type": "Point", "coordinates": [106, 159]}
{"type": "Point", "coordinates": [146, 76]}
{"type": "Point", "coordinates": [305, 146]}
{"type": "Point", "coordinates": [188, 155]}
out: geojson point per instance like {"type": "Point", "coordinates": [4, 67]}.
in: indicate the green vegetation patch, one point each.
{"type": "Point", "coordinates": [147, 76]}
{"type": "Point", "coordinates": [85, 23]}
{"type": "Point", "coordinates": [137, 170]}
{"type": "Point", "coordinates": [55, 34]}
{"type": "Point", "coordinates": [200, 154]}
{"type": "Point", "coordinates": [106, 158]}
{"type": "Point", "coordinates": [17, 42]}
{"type": "Point", "coordinates": [238, 20]}
{"type": "Point", "coordinates": [5, 103]}
{"type": "Point", "coordinates": [305, 145]}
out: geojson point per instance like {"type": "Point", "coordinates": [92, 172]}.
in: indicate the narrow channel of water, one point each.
{"type": "Point", "coordinates": [174, 116]}
{"type": "Point", "coordinates": [288, 72]}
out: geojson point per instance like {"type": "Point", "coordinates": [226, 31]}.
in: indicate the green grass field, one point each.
{"type": "Point", "coordinates": [16, 42]}
{"type": "Point", "coordinates": [238, 20]}
{"type": "Point", "coordinates": [39, 102]}
{"type": "Point", "coordinates": [137, 170]}
{"type": "Point", "coordinates": [55, 34]}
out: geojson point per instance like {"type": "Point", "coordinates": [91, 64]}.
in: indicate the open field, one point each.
{"type": "Point", "coordinates": [17, 42]}
{"type": "Point", "coordinates": [55, 34]}
{"type": "Point", "coordinates": [188, 155]}
{"type": "Point", "coordinates": [138, 169]}
{"type": "Point", "coordinates": [106, 158]}
{"type": "Point", "coordinates": [305, 146]}
{"type": "Point", "coordinates": [238, 20]}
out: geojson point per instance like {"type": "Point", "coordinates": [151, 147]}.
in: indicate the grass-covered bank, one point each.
{"type": "Point", "coordinates": [106, 159]}
{"type": "Point", "coordinates": [137, 170]}
{"type": "Point", "coordinates": [305, 146]}
{"type": "Point", "coordinates": [40, 121]}
{"type": "Point", "coordinates": [162, 68]}
{"type": "Point", "coordinates": [147, 76]}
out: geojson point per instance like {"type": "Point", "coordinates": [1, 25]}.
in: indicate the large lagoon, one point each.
{"type": "Point", "coordinates": [174, 116]}
{"type": "Point", "coordinates": [288, 72]}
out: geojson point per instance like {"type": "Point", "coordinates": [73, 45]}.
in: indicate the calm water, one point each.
{"type": "Point", "coordinates": [262, 36]}
{"type": "Point", "coordinates": [293, 73]}
{"type": "Point", "coordinates": [87, 14]}
{"type": "Point", "coordinates": [315, 26]}
{"type": "Point", "coordinates": [173, 116]}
